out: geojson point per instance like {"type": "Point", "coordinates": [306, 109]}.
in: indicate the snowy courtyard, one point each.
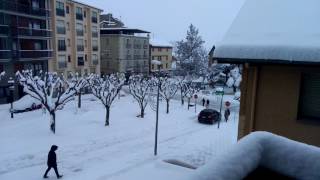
{"type": "Point", "coordinates": [88, 150]}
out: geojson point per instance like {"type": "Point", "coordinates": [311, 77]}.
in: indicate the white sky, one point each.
{"type": "Point", "coordinates": [168, 20]}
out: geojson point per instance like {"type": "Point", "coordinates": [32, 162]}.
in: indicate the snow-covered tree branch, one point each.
{"type": "Point", "coordinates": [50, 89]}
{"type": "Point", "coordinates": [168, 89]}
{"type": "Point", "coordinates": [76, 79]}
{"type": "Point", "coordinates": [106, 90]}
{"type": "Point", "coordinates": [140, 88]}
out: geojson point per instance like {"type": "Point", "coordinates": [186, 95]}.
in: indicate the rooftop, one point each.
{"type": "Point", "coordinates": [286, 31]}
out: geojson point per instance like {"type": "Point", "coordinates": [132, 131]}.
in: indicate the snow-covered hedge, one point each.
{"type": "Point", "coordinates": [277, 153]}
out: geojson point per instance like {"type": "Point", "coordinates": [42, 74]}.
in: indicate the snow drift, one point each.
{"type": "Point", "coordinates": [277, 153]}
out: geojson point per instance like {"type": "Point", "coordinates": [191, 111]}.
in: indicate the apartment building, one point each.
{"type": "Point", "coordinates": [76, 37]}
{"type": "Point", "coordinates": [162, 52]}
{"type": "Point", "coordinates": [124, 50]}
{"type": "Point", "coordinates": [25, 39]}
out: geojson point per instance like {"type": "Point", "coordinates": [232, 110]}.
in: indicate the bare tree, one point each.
{"type": "Point", "coordinates": [168, 89]}
{"type": "Point", "coordinates": [50, 89]}
{"type": "Point", "coordinates": [140, 88]}
{"type": "Point", "coordinates": [183, 85]}
{"type": "Point", "coordinates": [190, 91]}
{"type": "Point", "coordinates": [106, 90]}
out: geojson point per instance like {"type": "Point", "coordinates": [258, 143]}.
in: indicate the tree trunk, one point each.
{"type": "Point", "coordinates": [107, 115]}
{"type": "Point", "coordinates": [167, 106]}
{"type": "Point", "coordinates": [142, 113]}
{"type": "Point", "coordinates": [53, 121]}
{"type": "Point", "coordinates": [188, 103]}
{"type": "Point", "coordinates": [79, 100]}
{"type": "Point", "coordinates": [182, 101]}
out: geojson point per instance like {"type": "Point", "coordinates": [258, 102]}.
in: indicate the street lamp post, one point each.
{"type": "Point", "coordinates": [158, 63]}
{"type": "Point", "coordinates": [11, 89]}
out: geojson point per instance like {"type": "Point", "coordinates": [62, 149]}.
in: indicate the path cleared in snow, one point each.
{"type": "Point", "coordinates": [90, 151]}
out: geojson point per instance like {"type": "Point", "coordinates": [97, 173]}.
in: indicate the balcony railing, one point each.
{"type": "Point", "coordinates": [79, 32]}
{"type": "Point", "coordinates": [95, 62]}
{"type": "Point", "coordinates": [60, 12]}
{"type": "Point", "coordinates": [61, 30]}
{"type": "Point", "coordinates": [80, 48]}
{"type": "Point", "coordinates": [94, 34]}
{"type": "Point", "coordinates": [79, 16]}
{"type": "Point", "coordinates": [5, 54]}
{"type": "Point", "coordinates": [62, 64]}
{"type": "Point", "coordinates": [32, 54]}
{"type": "Point", "coordinates": [13, 6]}
{"type": "Point", "coordinates": [34, 32]}
{"type": "Point", "coordinates": [95, 48]}
{"type": "Point", "coordinates": [94, 19]}
{"type": "Point", "coordinates": [62, 48]}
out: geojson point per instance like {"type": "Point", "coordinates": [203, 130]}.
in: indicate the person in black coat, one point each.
{"type": "Point", "coordinates": [203, 102]}
{"type": "Point", "coordinates": [52, 162]}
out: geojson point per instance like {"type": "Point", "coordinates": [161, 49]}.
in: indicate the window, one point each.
{"type": "Point", "coordinates": [95, 60]}
{"type": "Point", "coordinates": [94, 31]}
{"type": "Point", "coordinates": [84, 14]}
{"type": "Point", "coordinates": [166, 65]}
{"type": "Point", "coordinates": [79, 29]}
{"type": "Point", "coordinates": [167, 58]}
{"type": "Point", "coordinates": [67, 9]}
{"type": "Point", "coordinates": [80, 60]}
{"type": "Point", "coordinates": [69, 43]}
{"type": "Point", "coordinates": [61, 45]}
{"type": "Point", "coordinates": [94, 17]}
{"type": "Point", "coordinates": [59, 8]}
{"type": "Point", "coordinates": [85, 44]}
{"type": "Point", "coordinates": [159, 49]}
{"type": "Point", "coordinates": [85, 57]}
{"type": "Point", "coordinates": [79, 13]}
{"type": "Point", "coordinates": [62, 61]}
{"type": "Point", "coordinates": [80, 46]}
{"type": "Point", "coordinates": [61, 28]}
{"type": "Point", "coordinates": [152, 66]}
{"type": "Point", "coordinates": [37, 46]}
{"type": "Point", "coordinates": [35, 4]}
{"type": "Point", "coordinates": [69, 58]}
{"type": "Point", "coordinates": [95, 45]}
{"type": "Point", "coordinates": [85, 29]}
{"type": "Point", "coordinates": [309, 104]}
{"type": "Point", "coordinates": [68, 26]}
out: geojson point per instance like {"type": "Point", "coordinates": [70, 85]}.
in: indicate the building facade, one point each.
{"type": "Point", "coordinates": [76, 37]}
{"type": "Point", "coordinates": [162, 53]}
{"type": "Point", "coordinates": [25, 38]}
{"type": "Point", "coordinates": [122, 50]}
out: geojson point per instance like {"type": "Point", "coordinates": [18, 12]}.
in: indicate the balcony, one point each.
{"type": "Point", "coordinates": [5, 54]}
{"type": "Point", "coordinates": [32, 54]}
{"type": "Point", "coordinates": [23, 9]}
{"type": "Point", "coordinates": [34, 32]}
{"type": "Point", "coordinates": [61, 30]}
{"type": "Point", "coordinates": [79, 32]}
{"type": "Point", "coordinates": [62, 48]}
{"type": "Point", "coordinates": [60, 12]}
{"type": "Point", "coordinates": [95, 34]}
{"type": "Point", "coordinates": [79, 16]}
{"type": "Point", "coordinates": [95, 62]}
{"type": "Point", "coordinates": [94, 19]}
{"type": "Point", "coordinates": [80, 48]}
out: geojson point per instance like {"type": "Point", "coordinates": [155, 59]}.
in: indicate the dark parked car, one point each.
{"type": "Point", "coordinates": [209, 116]}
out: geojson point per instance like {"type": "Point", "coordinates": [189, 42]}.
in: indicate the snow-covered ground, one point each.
{"type": "Point", "coordinates": [90, 151]}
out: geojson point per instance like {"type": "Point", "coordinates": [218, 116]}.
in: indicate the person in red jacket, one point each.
{"type": "Point", "coordinates": [52, 162]}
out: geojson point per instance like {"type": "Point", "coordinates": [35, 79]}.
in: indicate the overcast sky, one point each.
{"type": "Point", "coordinates": [168, 20]}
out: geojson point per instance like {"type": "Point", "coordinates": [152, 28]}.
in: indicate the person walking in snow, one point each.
{"type": "Point", "coordinates": [208, 102]}
{"type": "Point", "coordinates": [227, 111]}
{"type": "Point", "coordinates": [52, 162]}
{"type": "Point", "coordinates": [203, 102]}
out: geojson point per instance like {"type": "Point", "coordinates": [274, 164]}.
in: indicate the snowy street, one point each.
{"type": "Point", "coordinates": [90, 151]}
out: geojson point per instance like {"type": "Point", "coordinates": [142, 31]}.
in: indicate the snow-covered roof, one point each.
{"type": "Point", "coordinates": [159, 43]}
{"type": "Point", "coordinates": [287, 30]}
